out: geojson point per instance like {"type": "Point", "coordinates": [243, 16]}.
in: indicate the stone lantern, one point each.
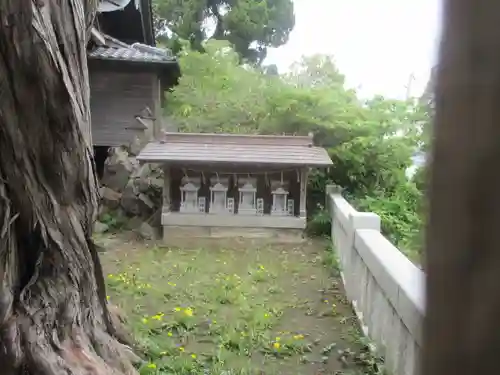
{"type": "Point", "coordinates": [189, 195]}
{"type": "Point", "coordinates": [248, 197]}
{"type": "Point", "coordinates": [218, 196]}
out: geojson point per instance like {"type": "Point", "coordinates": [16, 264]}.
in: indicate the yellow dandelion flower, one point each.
{"type": "Point", "coordinates": [298, 337]}
{"type": "Point", "coordinates": [107, 297]}
{"type": "Point", "coordinates": [177, 309]}
{"type": "Point", "coordinates": [193, 356]}
{"type": "Point", "coordinates": [110, 276]}
{"type": "Point", "coordinates": [145, 320]}
{"type": "Point", "coordinates": [188, 312]}
{"type": "Point", "coordinates": [261, 267]}
{"type": "Point", "coordinates": [276, 345]}
{"type": "Point", "coordinates": [214, 322]}
{"type": "Point", "coordinates": [181, 349]}
{"type": "Point", "coordinates": [266, 315]}
{"type": "Point", "coordinates": [170, 334]}
{"type": "Point", "coordinates": [151, 365]}
{"type": "Point", "coordinates": [158, 316]}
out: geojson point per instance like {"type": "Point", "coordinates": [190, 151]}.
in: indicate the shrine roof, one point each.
{"type": "Point", "coordinates": [198, 148]}
{"type": "Point", "coordinates": [114, 49]}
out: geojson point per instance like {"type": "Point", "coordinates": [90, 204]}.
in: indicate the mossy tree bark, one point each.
{"type": "Point", "coordinates": [53, 313]}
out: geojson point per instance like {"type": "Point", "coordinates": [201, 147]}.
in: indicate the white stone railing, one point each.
{"type": "Point", "coordinates": [385, 288]}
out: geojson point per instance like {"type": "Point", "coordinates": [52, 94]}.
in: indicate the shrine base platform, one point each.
{"type": "Point", "coordinates": [275, 229]}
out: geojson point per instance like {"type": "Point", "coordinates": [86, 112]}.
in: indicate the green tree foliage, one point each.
{"type": "Point", "coordinates": [370, 142]}
{"type": "Point", "coordinates": [400, 212]}
{"type": "Point", "coordinates": [250, 26]}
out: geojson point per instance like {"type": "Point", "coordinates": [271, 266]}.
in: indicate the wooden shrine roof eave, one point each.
{"type": "Point", "coordinates": [168, 72]}
{"type": "Point", "coordinates": [140, 65]}
{"type": "Point", "coordinates": [232, 164]}
{"type": "Point", "coordinates": [224, 150]}
{"type": "Point", "coordinates": [186, 136]}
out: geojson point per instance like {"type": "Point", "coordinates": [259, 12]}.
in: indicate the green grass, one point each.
{"type": "Point", "coordinates": [235, 310]}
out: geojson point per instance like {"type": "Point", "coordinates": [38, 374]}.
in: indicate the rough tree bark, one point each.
{"type": "Point", "coordinates": [462, 328]}
{"type": "Point", "coordinates": [53, 313]}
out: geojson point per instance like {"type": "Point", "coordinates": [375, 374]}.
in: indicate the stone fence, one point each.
{"type": "Point", "coordinates": [385, 288]}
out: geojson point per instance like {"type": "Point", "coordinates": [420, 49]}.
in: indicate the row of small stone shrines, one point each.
{"type": "Point", "coordinates": [245, 199]}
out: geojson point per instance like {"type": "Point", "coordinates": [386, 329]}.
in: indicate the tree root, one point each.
{"type": "Point", "coordinates": [56, 323]}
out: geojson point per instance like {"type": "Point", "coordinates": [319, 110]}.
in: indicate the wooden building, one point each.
{"type": "Point", "coordinates": [222, 185]}
{"type": "Point", "coordinates": [128, 74]}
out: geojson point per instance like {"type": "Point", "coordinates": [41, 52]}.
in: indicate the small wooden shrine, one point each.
{"type": "Point", "coordinates": [220, 185]}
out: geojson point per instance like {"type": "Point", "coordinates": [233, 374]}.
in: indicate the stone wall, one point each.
{"type": "Point", "coordinates": [385, 288]}
{"type": "Point", "coordinates": [131, 193]}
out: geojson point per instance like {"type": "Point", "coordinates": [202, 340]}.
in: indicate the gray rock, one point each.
{"type": "Point", "coordinates": [117, 155]}
{"type": "Point", "coordinates": [146, 206]}
{"type": "Point", "coordinates": [134, 223]}
{"type": "Point", "coordinates": [146, 231]}
{"type": "Point", "coordinates": [100, 227]}
{"type": "Point", "coordinates": [118, 179]}
{"type": "Point", "coordinates": [134, 163]}
{"type": "Point", "coordinates": [156, 171]}
{"type": "Point", "coordinates": [117, 169]}
{"type": "Point", "coordinates": [156, 218]}
{"type": "Point", "coordinates": [110, 198]}
{"type": "Point", "coordinates": [130, 202]}
{"type": "Point", "coordinates": [142, 171]}
{"type": "Point", "coordinates": [156, 183]}
{"type": "Point", "coordinates": [142, 184]}
{"type": "Point", "coordinates": [146, 201]}
{"type": "Point", "coordinates": [135, 188]}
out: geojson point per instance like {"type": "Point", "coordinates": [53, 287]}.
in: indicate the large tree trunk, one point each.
{"type": "Point", "coordinates": [53, 313]}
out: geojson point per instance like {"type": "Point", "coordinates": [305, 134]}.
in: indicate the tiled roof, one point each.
{"type": "Point", "coordinates": [235, 149]}
{"type": "Point", "coordinates": [137, 52]}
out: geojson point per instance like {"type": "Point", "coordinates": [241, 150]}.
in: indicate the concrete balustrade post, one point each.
{"type": "Point", "coordinates": [364, 220]}
{"type": "Point", "coordinates": [357, 221]}
{"type": "Point", "coordinates": [330, 190]}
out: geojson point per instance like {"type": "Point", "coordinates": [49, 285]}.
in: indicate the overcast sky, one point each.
{"type": "Point", "coordinates": [376, 44]}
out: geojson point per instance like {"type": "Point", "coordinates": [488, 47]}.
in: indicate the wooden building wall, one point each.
{"type": "Point", "coordinates": [116, 98]}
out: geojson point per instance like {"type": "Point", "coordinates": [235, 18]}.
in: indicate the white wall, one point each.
{"type": "Point", "coordinates": [385, 288]}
